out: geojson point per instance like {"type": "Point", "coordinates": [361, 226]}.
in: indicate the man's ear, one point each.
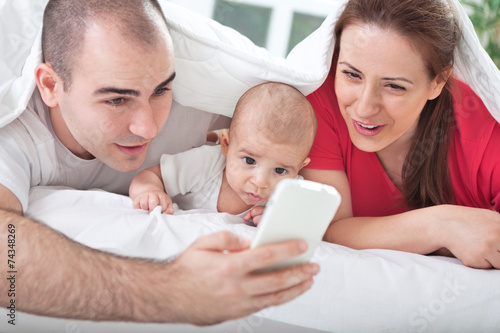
{"type": "Point", "coordinates": [48, 84]}
{"type": "Point", "coordinates": [438, 83]}
{"type": "Point", "coordinates": [224, 141]}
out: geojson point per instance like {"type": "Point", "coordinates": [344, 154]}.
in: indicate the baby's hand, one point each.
{"type": "Point", "coordinates": [254, 214]}
{"type": "Point", "coordinates": [148, 200]}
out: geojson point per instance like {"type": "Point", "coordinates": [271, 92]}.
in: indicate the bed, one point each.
{"type": "Point", "coordinates": [356, 291]}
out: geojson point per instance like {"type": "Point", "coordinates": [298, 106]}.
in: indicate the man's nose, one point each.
{"type": "Point", "coordinates": [143, 123]}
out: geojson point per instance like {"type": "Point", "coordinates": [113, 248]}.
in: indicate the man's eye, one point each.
{"type": "Point", "coordinates": [280, 171]}
{"type": "Point", "coordinates": [116, 101]}
{"type": "Point", "coordinates": [161, 91]}
{"type": "Point", "coordinates": [249, 160]}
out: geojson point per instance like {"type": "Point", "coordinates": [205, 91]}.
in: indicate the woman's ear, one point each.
{"type": "Point", "coordinates": [48, 83]}
{"type": "Point", "coordinates": [438, 83]}
{"type": "Point", "coordinates": [224, 141]}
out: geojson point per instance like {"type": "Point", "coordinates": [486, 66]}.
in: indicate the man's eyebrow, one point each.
{"type": "Point", "coordinates": [384, 78]}
{"type": "Point", "coordinates": [130, 92]}
{"type": "Point", "coordinates": [113, 90]}
{"type": "Point", "coordinates": [167, 81]}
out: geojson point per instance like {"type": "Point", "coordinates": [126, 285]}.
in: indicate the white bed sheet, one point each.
{"type": "Point", "coordinates": [356, 291]}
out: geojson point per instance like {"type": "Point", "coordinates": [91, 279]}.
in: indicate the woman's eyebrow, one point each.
{"type": "Point", "coordinates": [397, 79]}
{"type": "Point", "coordinates": [384, 78]}
{"type": "Point", "coordinates": [350, 66]}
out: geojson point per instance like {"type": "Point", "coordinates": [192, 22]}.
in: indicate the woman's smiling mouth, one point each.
{"type": "Point", "coordinates": [366, 129]}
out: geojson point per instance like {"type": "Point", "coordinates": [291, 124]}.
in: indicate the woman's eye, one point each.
{"type": "Point", "coordinates": [280, 171]}
{"type": "Point", "coordinates": [116, 101]}
{"type": "Point", "coordinates": [249, 160]}
{"type": "Point", "coordinates": [351, 75]}
{"type": "Point", "coordinates": [396, 87]}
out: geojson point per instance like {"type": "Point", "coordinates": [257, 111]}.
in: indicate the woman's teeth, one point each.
{"type": "Point", "coordinates": [367, 126]}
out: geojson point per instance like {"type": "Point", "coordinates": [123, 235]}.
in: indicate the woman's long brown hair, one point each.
{"type": "Point", "coordinates": [430, 27]}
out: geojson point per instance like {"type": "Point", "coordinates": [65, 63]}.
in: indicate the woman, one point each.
{"type": "Point", "coordinates": [413, 152]}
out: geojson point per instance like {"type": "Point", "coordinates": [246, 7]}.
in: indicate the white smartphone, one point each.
{"type": "Point", "coordinates": [297, 209]}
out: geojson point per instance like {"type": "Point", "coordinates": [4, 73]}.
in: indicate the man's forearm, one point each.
{"type": "Point", "coordinates": [61, 278]}
{"type": "Point", "coordinates": [211, 281]}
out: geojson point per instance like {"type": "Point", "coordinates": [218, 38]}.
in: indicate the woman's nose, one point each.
{"type": "Point", "coordinates": [368, 103]}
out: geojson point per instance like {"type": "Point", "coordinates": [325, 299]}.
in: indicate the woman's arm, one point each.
{"type": "Point", "coordinates": [471, 234]}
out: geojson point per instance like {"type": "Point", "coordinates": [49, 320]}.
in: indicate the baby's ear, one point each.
{"type": "Point", "coordinates": [306, 162]}
{"type": "Point", "coordinates": [224, 141]}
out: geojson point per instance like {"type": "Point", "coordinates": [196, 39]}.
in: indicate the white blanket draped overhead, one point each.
{"type": "Point", "coordinates": [356, 291]}
{"type": "Point", "coordinates": [215, 63]}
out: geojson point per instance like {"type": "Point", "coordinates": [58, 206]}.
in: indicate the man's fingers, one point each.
{"type": "Point", "coordinates": [494, 260]}
{"type": "Point", "coordinates": [222, 241]}
{"type": "Point", "coordinates": [266, 255]}
{"type": "Point", "coordinates": [282, 296]}
{"type": "Point", "coordinates": [272, 281]}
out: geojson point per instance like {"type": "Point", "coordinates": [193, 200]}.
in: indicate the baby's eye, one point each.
{"type": "Point", "coordinates": [280, 171]}
{"type": "Point", "coordinates": [116, 101]}
{"type": "Point", "coordinates": [249, 160]}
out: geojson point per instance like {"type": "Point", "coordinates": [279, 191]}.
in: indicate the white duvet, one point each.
{"type": "Point", "coordinates": [356, 291]}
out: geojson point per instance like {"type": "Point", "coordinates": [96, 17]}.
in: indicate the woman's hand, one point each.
{"type": "Point", "coordinates": [472, 235]}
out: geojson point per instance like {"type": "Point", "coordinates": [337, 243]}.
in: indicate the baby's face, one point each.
{"type": "Point", "coordinates": [254, 165]}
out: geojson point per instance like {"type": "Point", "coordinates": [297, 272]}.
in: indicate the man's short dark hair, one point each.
{"type": "Point", "coordinates": [65, 23]}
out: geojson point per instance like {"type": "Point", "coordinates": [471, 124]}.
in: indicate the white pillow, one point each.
{"type": "Point", "coordinates": [216, 64]}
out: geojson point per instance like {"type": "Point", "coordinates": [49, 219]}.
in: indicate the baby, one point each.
{"type": "Point", "coordinates": [271, 133]}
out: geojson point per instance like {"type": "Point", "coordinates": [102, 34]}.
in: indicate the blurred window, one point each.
{"type": "Point", "coordinates": [251, 21]}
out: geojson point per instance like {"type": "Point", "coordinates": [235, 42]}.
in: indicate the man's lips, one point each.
{"type": "Point", "coordinates": [132, 150]}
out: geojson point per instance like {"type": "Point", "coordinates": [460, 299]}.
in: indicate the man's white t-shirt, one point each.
{"type": "Point", "coordinates": [31, 155]}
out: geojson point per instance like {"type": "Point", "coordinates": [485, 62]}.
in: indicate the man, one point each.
{"type": "Point", "coordinates": [104, 94]}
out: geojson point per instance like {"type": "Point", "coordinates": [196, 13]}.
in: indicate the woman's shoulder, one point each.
{"type": "Point", "coordinates": [473, 119]}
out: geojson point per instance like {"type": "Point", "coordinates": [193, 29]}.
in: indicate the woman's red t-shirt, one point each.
{"type": "Point", "coordinates": [474, 157]}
